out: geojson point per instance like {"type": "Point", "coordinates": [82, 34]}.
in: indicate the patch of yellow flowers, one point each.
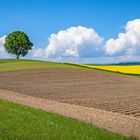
{"type": "Point", "coordinates": [132, 69]}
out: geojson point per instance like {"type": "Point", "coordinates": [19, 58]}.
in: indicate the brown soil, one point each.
{"type": "Point", "coordinates": [122, 124]}
{"type": "Point", "coordinates": [89, 88]}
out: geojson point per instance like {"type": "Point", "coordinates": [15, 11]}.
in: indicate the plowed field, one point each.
{"type": "Point", "coordinates": [90, 88]}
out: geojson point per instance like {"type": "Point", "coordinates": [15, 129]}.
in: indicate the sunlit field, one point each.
{"type": "Point", "coordinates": [131, 69]}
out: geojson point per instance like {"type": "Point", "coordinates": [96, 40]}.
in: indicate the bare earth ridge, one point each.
{"type": "Point", "coordinates": [122, 124]}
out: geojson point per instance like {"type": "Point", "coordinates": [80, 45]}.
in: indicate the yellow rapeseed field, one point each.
{"type": "Point", "coordinates": [132, 69]}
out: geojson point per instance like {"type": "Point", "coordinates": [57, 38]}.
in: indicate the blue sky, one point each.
{"type": "Point", "coordinates": [40, 18]}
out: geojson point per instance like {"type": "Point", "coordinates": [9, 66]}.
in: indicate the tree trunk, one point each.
{"type": "Point", "coordinates": [18, 52]}
{"type": "Point", "coordinates": [17, 56]}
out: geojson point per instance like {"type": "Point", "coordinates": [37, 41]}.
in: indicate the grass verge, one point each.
{"type": "Point", "coordinates": [25, 123]}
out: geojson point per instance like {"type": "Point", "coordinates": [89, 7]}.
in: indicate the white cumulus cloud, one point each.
{"type": "Point", "coordinates": [3, 53]}
{"type": "Point", "coordinates": [127, 43]}
{"type": "Point", "coordinates": [37, 52]}
{"type": "Point", "coordinates": [74, 42]}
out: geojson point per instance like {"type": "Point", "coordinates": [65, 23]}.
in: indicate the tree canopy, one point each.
{"type": "Point", "coordinates": [18, 43]}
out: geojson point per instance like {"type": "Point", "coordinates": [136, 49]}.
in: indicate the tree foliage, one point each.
{"type": "Point", "coordinates": [17, 43]}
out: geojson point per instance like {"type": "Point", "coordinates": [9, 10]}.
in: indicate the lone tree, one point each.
{"type": "Point", "coordinates": [17, 43]}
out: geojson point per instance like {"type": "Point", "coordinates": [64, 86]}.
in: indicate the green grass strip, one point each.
{"type": "Point", "coordinates": [19, 122]}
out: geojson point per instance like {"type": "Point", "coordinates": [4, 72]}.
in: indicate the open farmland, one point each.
{"type": "Point", "coordinates": [89, 88]}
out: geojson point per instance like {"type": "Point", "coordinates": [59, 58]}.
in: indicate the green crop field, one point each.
{"type": "Point", "coordinates": [21, 122]}
{"type": "Point", "coordinates": [13, 65]}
